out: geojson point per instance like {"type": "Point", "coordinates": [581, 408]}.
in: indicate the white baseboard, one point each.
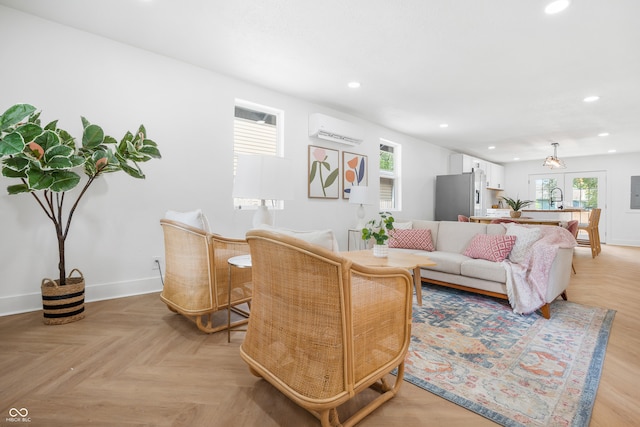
{"type": "Point", "coordinates": [33, 301]}
{"type": "Point", "coordinates": [623, 242]}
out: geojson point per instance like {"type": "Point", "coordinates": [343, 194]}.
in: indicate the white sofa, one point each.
{"type": "Point", "coordinates": [454, 269]}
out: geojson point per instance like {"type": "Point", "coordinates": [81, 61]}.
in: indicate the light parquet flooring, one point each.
{"type": "Point", "coordinates": [131, 362]}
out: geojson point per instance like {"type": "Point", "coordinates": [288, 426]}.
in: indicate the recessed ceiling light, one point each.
{"type": "Point", "coordinates": [611, 151]}
{"type": "Point", "coordinates": [516, 158]}
{"type": "Point", "coordinates": [603, 134]}
{"type": "Point", "coordinates": [492, 147]}
{"type": "Point", "coordinates": [591, 98]}
{"type": "Point", "coordinates": [444, 125]}
{"type": "Point", "coordinates": [556, 6]}
{"type": "Point", "coordinates": [353, 85]}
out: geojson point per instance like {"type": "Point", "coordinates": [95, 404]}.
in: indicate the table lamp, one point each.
{"type": "Point", "coordinates": [262, 177]}
{"type": "Point", "coordinates": [359, 195]}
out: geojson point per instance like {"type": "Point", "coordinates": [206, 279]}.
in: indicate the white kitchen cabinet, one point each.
{"type": "Point", "coordinates": [495, 176]}
{"type": "Point", "coordinates": [461, 163]}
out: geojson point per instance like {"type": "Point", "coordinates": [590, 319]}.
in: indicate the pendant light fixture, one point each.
{"type": "Point", "coordinates": [553, 161]}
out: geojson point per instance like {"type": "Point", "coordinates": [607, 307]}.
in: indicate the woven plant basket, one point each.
{"type": "Point", "coordinates": [63, 304]}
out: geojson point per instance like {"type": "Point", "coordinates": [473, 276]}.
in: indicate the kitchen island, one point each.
{"type": "Point", "coordinates": [559, 214]}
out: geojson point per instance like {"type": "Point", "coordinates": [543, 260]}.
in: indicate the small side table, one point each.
{"type": "Point", "coordinates": [240, 261]}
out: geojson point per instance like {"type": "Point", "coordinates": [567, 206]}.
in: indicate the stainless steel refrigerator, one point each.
{"type": "Point", "coordinates": [462, 194]}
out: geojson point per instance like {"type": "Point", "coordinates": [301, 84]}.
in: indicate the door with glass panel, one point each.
{"type": "Point", "coordinates": [585, 190]}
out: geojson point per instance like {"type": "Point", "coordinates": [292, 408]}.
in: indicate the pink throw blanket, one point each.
{"type": "Point", "coordinates": [528, 281]}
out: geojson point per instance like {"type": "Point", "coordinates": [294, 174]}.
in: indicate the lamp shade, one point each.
{"type": "Point", "coordinates": [263, 177]}
{"type": "Point", "coordinates": [359, 195]}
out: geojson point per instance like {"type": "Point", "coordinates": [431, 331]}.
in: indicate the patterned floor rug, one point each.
{"type": "Point", "coordinates": [514, 370]}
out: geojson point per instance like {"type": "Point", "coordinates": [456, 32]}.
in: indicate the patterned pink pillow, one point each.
{"type": "Point", "coordinates": [490, 247]}
{"type": "Point", "coordinates": [414, 238]}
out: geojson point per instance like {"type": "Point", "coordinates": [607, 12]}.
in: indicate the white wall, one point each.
{"type": "Point", "coordinates": [188, 111]}
{"type": "Point", "coordinates": [622, 224]}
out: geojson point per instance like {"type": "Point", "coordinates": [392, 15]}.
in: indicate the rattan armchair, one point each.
{"type": "Point", "coordinates": [323, 329]}
{"type": "Point", "coordinates": [197, 275]}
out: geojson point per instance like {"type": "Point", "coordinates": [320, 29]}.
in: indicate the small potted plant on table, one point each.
{"type": "Point", "coordinates": [379, 230]}
{"type": "Point", "coordinates": [516, 205]}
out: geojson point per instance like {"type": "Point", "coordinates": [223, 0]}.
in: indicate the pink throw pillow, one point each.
{"type": "Point", "coordinates": [415, 238]}
{"type": "Point", "coordinates": [490, 247]}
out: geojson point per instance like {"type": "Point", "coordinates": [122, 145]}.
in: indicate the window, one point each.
{"type": "Point", "coordinates": [585, 192]}
{"type": "Point", "coordinates": [543, 187]}
{"type": "Point", "coordinates": [389, 176]}
{"type": "Point", "coordinates": [256, 130]}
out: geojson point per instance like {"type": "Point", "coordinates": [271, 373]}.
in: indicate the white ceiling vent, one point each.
{"type": "Point", "coordinates": [336, 130]}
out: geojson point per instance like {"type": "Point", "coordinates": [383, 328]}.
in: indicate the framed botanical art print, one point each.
{"type": "Point", "coordinates": [324, 168]}
{"type": "Point", "coordinates": [354, 172]}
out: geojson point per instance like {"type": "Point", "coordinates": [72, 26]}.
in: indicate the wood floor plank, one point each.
{"type": "Point", "coordinates": [131, 362]}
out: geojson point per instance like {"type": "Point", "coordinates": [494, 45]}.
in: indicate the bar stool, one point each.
{"type": "Point", "coordinates": [591, 228]}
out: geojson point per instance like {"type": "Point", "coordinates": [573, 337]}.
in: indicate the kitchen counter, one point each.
{"type": "Point", "coordinates": [560, 214]}
{"type": "Point", "coordinates": [521, 220]}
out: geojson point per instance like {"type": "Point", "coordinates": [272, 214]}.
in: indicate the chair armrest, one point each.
{"type": "Point", "coordinates": [381, 319]}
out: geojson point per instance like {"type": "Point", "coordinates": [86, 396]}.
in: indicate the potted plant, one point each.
{"type": "Point", "coordinates": [516, 205]}
{"type": "Point", "coordinates": [44, 160]}
{"type": "Point", "coordinates": [379, 230]}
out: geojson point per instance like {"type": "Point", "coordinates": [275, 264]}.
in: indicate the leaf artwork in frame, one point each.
{"type": "Point", "coordinates": [354, 172]}
{"type": "Point", "coordinates": [324, 168]}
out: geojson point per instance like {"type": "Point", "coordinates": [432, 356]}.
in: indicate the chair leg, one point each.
{"type": "Point", "coordinates": [329, 417]}
{"type": "Point", "coordinates": [209, 327]}
{"type": "Point", "coordinates": [592, 243]}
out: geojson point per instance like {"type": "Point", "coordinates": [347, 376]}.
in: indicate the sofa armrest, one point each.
{"type": "Point", "coordinates": [560, 273]}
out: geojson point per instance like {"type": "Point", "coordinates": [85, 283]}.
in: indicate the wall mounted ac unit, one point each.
{"type": "Point", "coordinates": [336, 130]}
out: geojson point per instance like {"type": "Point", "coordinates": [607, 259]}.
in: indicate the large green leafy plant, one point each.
{"type": "Point", "coordinates": [45, 159]}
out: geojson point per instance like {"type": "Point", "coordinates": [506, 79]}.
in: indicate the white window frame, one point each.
{"type": "Point", "coordinates": [394, 175]}
{"type": "Point", "coordinates": [252, 204]}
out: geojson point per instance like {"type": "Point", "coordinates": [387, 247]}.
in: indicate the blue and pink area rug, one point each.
{"type": "Point", "coordinates": [514, 370]}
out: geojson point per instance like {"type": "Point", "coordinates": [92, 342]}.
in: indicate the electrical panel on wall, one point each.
{"type": "Point", "coordinates": [635, 192]}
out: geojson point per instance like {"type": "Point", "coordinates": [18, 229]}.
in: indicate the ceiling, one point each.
{"type": "Point", "coordinates": [500, 73]}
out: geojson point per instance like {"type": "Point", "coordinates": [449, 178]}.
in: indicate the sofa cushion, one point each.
{"type": "Point", "coordinates": [431, 225]}
{"type": "Point", "coordinates": [483, 269]}
{"type": "Point", "coordinates": [525, 238]}
{"type": "Point", "coordinates": [192, 218]}
{"type": "Point", "coordinates": [411, 239]}
{"type": "Point", "coordinates": [490, 247]}
{"type": "Point", "coordinates": [402, 225]}
{"type": "Point", "coordinates": [454, 236]}
{"type": "Point", "coordinates": [496, 229]}
{"type": "Point", "coordinates": [446, 262]}
{"type": "Point", "coordinates": [323, 238]}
